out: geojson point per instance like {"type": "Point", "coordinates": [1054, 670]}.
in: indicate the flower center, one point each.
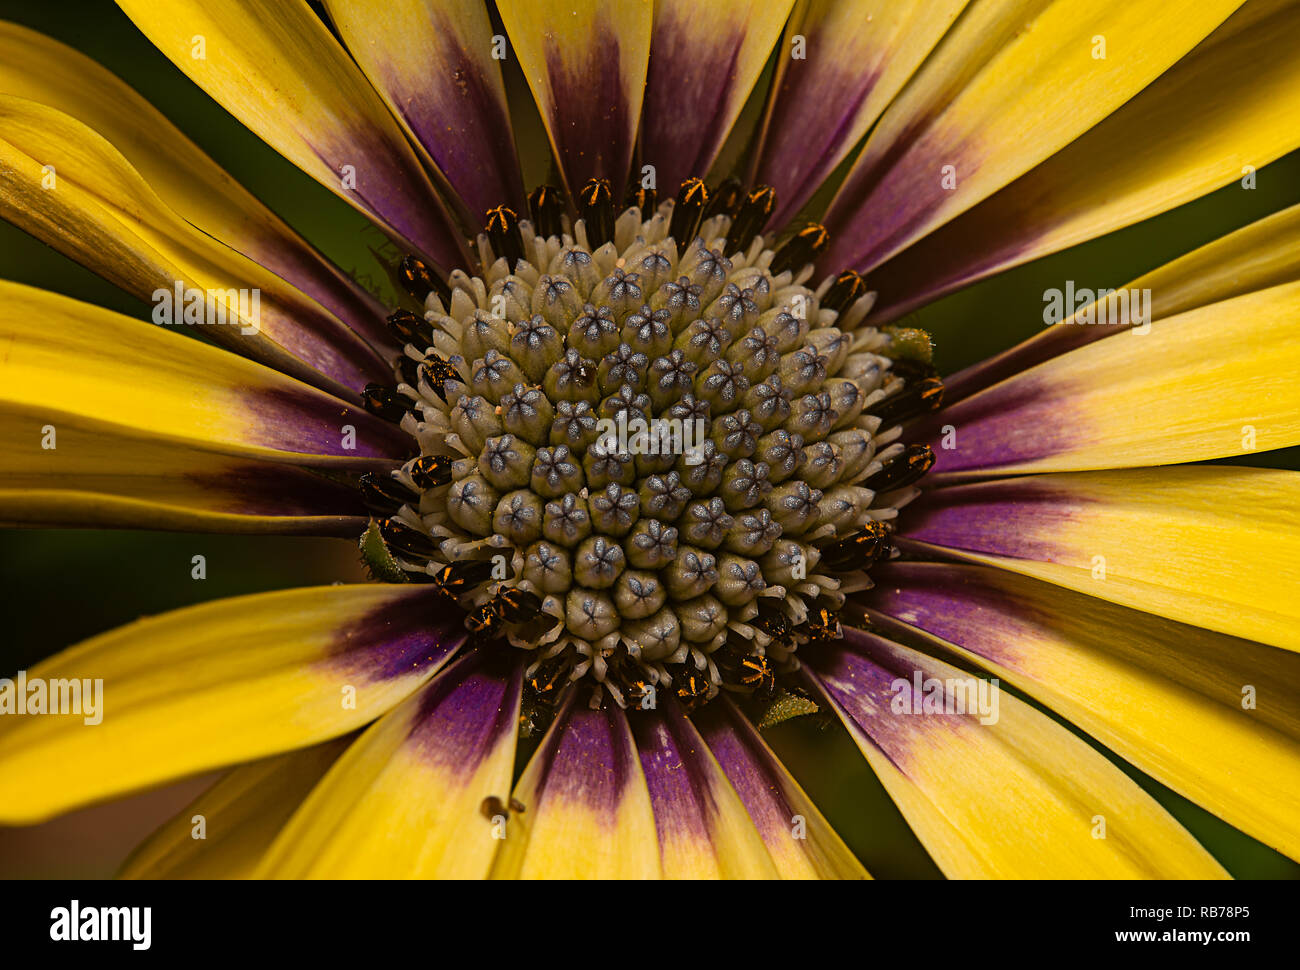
{"type": "Point", "coordinates": [650, 453]}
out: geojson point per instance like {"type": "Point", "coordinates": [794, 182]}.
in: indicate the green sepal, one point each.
{"type": "Point", "coordinates": [784, 707]}
{"type": "Point", "coordinates": [378, 560]}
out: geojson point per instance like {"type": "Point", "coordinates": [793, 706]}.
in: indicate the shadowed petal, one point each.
{"type": "Point", "coordinates": [704, 61]}
{"type": "Point", "coordinates": [1218, 547]}
{"type": "Point", "coordinates": [274, 66]}
{"type": "Point", "coordinates": [1226, 109]}
{"type": "Point", "coordinates": [70, 188]}
{"type": "Point", "coordinates": [1215, 381]}
{"type": "Point", "coordinates": [1012, 83]}
{"type": "Point", "coordinates": [801, 842]}
{"type": "Point", "coordinates": [217, 684]}
{"type": "Point", "coordinates": [704, 830]}
{"type": "Point", "coordinates": [1017, 797]}
{"type": "Point", "coordinates": [405, 801]}
{"type": "Point", "coordinates": [1170, 698]}
{"type": "Point", "coordinates": [857, 55]}
{"type": "Point", "coordinates": [587, 812]}
{"type": "Point", "coordinates": [41, 69]}
{"type": "Point", "coordinates": [431, 60]}
{"type": "Point", "coordinates": [586, 65]}
{"type": "Point", "coordinates": [240, 817]}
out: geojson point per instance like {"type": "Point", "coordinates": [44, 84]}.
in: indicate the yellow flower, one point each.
{"type": "Point", "coordinates": [646, 459]}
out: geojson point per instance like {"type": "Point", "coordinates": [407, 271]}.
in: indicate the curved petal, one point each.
{"type": "Point", "coordinates": [1215, 381]}
{"type": "Point", "coordinates": [801, 842]}
{"type": "Point", "coordinates": [1017, 797]}
{"type": "Point", "coordinates": [405, 801]}
{"type": "Point", "coordinates": [41, 69]}
{"type": "Point", "coordinates": [586, 808]}
{"type": "Point", "coordinates": [857, 56]}
{"type": "Point", "coordinates": [274, 66]}
{"type": "Point", "coordinates": [704, 830]}
{"type": "Point", "coordinates": [1012, 83]}
{"type": "Point", "coordinates": [70, 188]}
{"type": "Point", "coordinates": [217, 684]}
{"type": "Point", "coordinates": [82, 370]}
{"type": "Point", "coordinates": [240, 817]}
{"type": "Point", "coordinates": [704, 61]}
{"type": "Point", "coordinates": [1211, 716]}
{"type": "Point", "coordinates": [586, 65]}
{"type": "Point", "coordinates": [1214, 546]}
{"type": "Point", "coordinates": [1263, 254]}
{"type": "Point", "coordinates": [1226, 109]}
{"type": "Point", "coordinates": [431, 60]}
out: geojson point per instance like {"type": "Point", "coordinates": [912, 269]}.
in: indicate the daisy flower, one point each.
{"type": "Point", "coordinates": [649, 458]}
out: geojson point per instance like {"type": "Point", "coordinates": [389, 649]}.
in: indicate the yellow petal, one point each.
{"type": "Point", "coordinates": [1015, 797]}
{"type": "Point", "coordinates": [1211, 716]}
{"type": "Point", "coordinates": [431, 61]}
{"type": "Point", "coordinates": [212, 685]}
{"type": "Point", "coordinates": [1213, 382]}
{"type": "Point", "coordinates": [41, 69]}
{"type": "Point", "coordinates": [406, 800]}
{"type": "Point", "coordinates": [801, 842]}
{"type": "Point", "coordinates": [1214, 546]}
{"type": "Point", "coordinates": [1011, 84]}
{"type": "Point", "coordinates": [586, 65]}
{"type": "Point", "coordinates": [707, 58]}
{"type": "Point", "coordinates": [586, 809]}
{"type": "Point", "coordinates": [704, 830]}
{"type": "Point", "coordinates": [77, 370]}
{"type": "Point", "coordinates": [1225, 110]}
{"type": "Point", "coordinates": [274, 66]}
{"type": "Point", "coordinates": [224, 833]}
{"type": "Point", "coordinates": [70, 188]}
{"type": "Point", "coordinates": [857, 55]}
{"type": "Point", "coordinates": [1263, 254]}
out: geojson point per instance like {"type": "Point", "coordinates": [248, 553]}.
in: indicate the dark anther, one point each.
{"type": "Point", "coordinates": [438, 371]}
{"type": "Point", "coordinates": [546, 205]}
{"type": "Point", "coordinates": [751, 219]}
{"type": "Point", "coordinates": [910, 369]}
{"type": "Point", "coordinates": [405, 541]}
{"type": "Point", "coordinates": [503, 230]}
{"type": "Point", "coordinates": [756, 672]}
{"type": "Point", "coordinates": [430, 471]}
{"type": "Point", "coordinates": [384, 402]}
{"type": "Point", "coordinates": [596, 206]}
{"type": "Point", "coordinates": [725, 198]}
{"type": "Point", "coordinates": [548, 678]}
{"type": "Point", "coordinates": [644, 199]}
{"type": "Point", "coordinates": [914, 399]}
{"type": "Point", "coordinates": [419, 280]}
{"type": "Point", "coordinates": [692, 686]}
{"type": "Point", "coordinates": [463, 575]}
{"type": "Point", "coordinates": [903, 469]}
{"type": "Point", "coordinates": [848, 286]}
{"type": "Point", "coordinates": [410, 328]}
{"type": "Point", "coordinates": [518, 605]}
{"type": "Point", "coordinates": [861, 550]}
{"type": "Point", "coordinates": [771, 618]}
{"type": "Point", "coordinates": [802, 248]}
{"type": "Point", "coordinates": [823, 625]}
{"type": "Point", "coordinates": [692, 198]}
{"type": "Point", "coordinates": [383, 495]}
{"type": "Point", "coordinates": [484, 622]}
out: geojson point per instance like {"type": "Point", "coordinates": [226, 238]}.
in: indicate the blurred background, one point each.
{"type": "Point", "coordinates": [62, 586]}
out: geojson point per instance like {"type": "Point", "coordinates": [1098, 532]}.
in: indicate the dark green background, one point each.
{"type": "Point", "coordinates": [61, 586]}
